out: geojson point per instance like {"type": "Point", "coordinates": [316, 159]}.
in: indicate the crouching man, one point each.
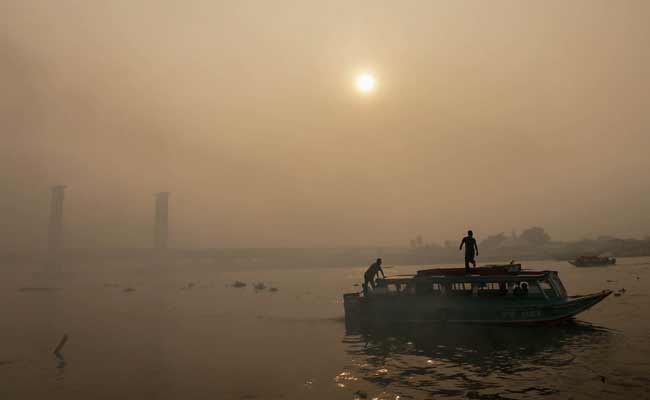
{"type": "Point", "coordinates": [372, 272]}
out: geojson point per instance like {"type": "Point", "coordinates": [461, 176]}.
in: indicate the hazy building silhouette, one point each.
{"type": "Point", "coordinates": [55, 229]}
{"type": "Point", "coordinates": [161, 230]}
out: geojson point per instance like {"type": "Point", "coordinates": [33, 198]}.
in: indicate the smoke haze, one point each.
{"type": "Point", "coordinates": [487, 115]}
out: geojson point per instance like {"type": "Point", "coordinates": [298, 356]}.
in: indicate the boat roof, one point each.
{"type": "Point", "coordinates": [507, 271]}
{"type": "Point", "coordinates": [599, 257]}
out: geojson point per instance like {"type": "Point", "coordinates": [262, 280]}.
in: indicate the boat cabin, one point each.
{"type": "Point", "coordinates": [498, 294]}
{"type": "Point", "coordinates": [481, 282]}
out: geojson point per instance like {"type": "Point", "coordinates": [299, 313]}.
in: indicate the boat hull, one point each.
{"type": "Point", "coordinates": [468, 310]}
{"type": "Point", "coordinates": [593, 263]}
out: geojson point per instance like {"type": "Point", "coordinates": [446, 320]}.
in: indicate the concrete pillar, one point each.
{"type": "Point", "coordinates": [161, 232]}
{"type": "Point", "coordinates": [55, 230]}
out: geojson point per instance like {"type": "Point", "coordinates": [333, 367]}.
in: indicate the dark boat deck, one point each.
{"type": "Point", "coordinates": [496, 270]}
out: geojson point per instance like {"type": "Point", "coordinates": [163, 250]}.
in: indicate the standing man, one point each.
{"type": "Point", "coordinates": [371, 272]}
{"type": "Point", "coordinates": [470, 245]}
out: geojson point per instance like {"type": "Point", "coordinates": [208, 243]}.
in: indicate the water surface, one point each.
{"type": "Point", "coordinates": [183, 332]}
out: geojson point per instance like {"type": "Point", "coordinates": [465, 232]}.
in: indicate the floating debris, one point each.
{"type": "Point", "coordinates": [111, 285]}
{"type": "Point", "coordinates": [343, 378]}
{"type": "Point", "coordinates": [434, 362]}
{"type": "Point", "coordinates": [259, 286]}
{"type": "Point", "coordinates": [57, 352]}
{"type": "Point", "coordinates": [617, 294]}
{"type": "Point", "coordinates": [273, 289]}
{"type": "Point", "coordinates": [239, 284]}
{"type": "Point", "coordinates": [360, 394]}
{"type": "Point", "coordinates": [128, 290]}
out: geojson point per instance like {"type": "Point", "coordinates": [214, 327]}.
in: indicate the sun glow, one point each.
{"type": "Point", "coordinates": [365, 83]}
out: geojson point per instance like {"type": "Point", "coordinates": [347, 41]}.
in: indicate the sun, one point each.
{"type": "Point", "coordinates": [365, 83]}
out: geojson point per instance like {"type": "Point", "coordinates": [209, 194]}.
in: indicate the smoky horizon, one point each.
{"type": "Point", "coordinates": [323, 124]}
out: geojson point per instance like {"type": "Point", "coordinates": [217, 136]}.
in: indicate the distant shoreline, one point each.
{"type": "Point", "coordinates": [273, 258]}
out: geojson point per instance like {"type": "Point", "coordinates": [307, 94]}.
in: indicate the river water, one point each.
{"type": "Point", "coordinates": [184, 332]}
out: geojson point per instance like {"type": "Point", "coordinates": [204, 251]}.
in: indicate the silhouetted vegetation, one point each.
{"type": "Point", "coordinates": [533, 243]}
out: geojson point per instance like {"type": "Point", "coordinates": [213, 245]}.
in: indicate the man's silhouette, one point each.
{"type": "Point", "coordinates": [371, 272]}
{"type": "Point", "coordinates": [470, 246]}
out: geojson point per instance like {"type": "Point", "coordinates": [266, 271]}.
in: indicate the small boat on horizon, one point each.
{"type": "Point", "coordinates": [497, 294]}
{"type": "Point", "coordinates": [592, 261]}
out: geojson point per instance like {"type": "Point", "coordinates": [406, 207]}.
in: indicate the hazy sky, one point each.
{"type": "Point", "coordinates": [489, 115]}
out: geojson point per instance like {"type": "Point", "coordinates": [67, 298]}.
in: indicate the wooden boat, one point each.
{"type": "Point", "coordinates": [592, 261]}
{"type": "Point", "coordinates": [499, 294]}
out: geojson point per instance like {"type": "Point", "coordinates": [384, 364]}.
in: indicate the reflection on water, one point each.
{"type": "Point", "coordinates": [420, 361]}
{"type": "Point", "coordinates": [182, 334]}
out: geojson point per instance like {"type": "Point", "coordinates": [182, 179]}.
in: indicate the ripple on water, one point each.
{"type": "Point", "coordinates": [486, 362]}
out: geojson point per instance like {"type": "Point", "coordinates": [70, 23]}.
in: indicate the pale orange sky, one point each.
{"type": "Point", "coordinates": [488, 115]}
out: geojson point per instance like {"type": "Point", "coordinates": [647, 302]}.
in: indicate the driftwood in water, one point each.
{"type": "Point", "coordinates": [57, 351]}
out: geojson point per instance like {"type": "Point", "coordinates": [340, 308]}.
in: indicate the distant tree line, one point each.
{"type": "Point", "coordinates": [532, 243]}
{"type": "Point", "coordinates": [533, 236]}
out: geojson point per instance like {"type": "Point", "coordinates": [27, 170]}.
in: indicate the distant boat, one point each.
{"type": "Point", "coordinates": [499, 294]}
{"type": "Point", "coordinates": [592, 261]}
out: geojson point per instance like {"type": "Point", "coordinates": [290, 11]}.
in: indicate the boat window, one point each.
{"type": "Point", "coordinates": [461, 288]}
{"type": "Point", "coordinates": [491, 288]}
{"type": "Point", "coordinates": [558, 285]}
{"type": "Point", "coordinates": [438, 289]}
{"type": "Point", "coordinates": [521, 288]}
{"type": "Point", "coordinates": [545, 285]}
{"type": "Point", "coordinates": [399, 288]}
{"type": "Point", "coordinates": [533, 289]}
{"type": "Point", "coordinates": [425, 288]}
{"type": "Point", "coordinates": [408, 288]}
